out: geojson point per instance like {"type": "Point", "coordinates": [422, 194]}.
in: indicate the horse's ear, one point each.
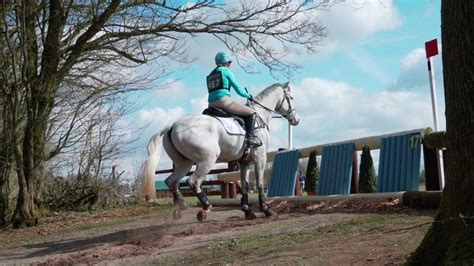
{"type": "Point", "coordinates": [287, 85]}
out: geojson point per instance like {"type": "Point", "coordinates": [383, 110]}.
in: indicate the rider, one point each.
{"type": "Point", "coordinates": [219, 82]}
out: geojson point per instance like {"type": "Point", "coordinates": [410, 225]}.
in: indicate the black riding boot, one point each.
{"type": "Point", "coordinates": [252, 140]}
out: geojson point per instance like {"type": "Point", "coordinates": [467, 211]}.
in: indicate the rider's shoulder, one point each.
{"type": "Point", "coordinates": [223, 69]}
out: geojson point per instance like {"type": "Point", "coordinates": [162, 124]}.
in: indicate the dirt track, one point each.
{"type": "Point", "coordinates": [355, 232]}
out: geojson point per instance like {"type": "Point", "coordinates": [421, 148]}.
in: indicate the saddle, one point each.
{"type": "Point", "coordinates": [233, 124]}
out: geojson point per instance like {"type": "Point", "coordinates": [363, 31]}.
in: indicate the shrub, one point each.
{"type": "Point", "coordinates": [367, 176]}
{"type": "Point", "coordinates": [312, 173]}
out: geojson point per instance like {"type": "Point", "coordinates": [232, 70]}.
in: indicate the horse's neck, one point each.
{"type": "Point", "coordinates": [270, 101]}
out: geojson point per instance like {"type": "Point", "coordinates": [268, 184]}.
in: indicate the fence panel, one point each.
{"type": "Point", "coordinates": [283, 178]}
{"type": "Point", "coordinates": [336, 169]}
{"type": "Point", "coordinates": [399, 164]}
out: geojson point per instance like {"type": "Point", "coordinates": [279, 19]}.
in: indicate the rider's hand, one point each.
{"type": "Point", "coordinates": [251, 97]}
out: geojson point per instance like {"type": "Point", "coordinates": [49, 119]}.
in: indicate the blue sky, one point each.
{"type": "Point", "coordinates": [369, 77]}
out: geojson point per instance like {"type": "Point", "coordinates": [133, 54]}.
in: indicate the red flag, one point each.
{"type": "Point", "coordinates": [431, 48]}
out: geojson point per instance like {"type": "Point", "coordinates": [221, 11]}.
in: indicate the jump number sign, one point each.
{"type": "Point", "coordinates": [414, 140]}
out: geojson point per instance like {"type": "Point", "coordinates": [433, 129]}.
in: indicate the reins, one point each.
{"type": "Point", "coordinates": [260, 119]}
{"type": "Point", "coordinates": [266, 108]}
{"type": "Point", "coordinates": [272, 111]}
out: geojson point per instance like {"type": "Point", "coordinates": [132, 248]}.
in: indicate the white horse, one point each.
{"type": "Point", "coordinates": [202, 140]}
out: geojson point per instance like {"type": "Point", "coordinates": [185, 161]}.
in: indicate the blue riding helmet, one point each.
{"type": "Point", "coordinates": [223, 58]}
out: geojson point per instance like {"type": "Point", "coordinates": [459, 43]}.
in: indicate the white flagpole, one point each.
{"type": "Point", "coordinates": [290, 137]}
{"type": "Point", "coordinates": [434, 105]}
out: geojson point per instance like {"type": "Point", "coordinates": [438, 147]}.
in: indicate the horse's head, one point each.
{"type": "Point", "coordinates": [285, 106]}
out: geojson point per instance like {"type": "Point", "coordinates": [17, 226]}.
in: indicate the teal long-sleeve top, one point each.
{"type": "Point", "coordinates": [228, 81]}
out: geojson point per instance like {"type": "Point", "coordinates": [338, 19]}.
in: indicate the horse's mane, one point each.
{"type": "Point", "coordinates": [269, 90]}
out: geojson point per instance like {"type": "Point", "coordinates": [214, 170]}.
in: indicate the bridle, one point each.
{"type": "Point", "coordinates": [290, 114]}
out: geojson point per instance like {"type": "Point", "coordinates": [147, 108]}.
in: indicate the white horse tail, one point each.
{"type": "Point", "coordinates": [147, 171]}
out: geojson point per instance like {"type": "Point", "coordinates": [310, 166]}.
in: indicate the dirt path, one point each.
{"type": "Point", "coordinates": [363, 232]}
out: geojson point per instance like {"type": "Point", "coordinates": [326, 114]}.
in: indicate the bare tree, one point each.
{"type": "Point", "coordinates": [49, 46]}
{"type": "Point", "coordinates": [80, 176]}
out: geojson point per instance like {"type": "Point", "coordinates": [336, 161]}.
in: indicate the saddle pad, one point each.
{"type": "Point", "coordinates": [231, 125]}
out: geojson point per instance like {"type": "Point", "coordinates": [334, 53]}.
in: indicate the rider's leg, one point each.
{"type": "Point", "coordinates": [246, 112]}
{"type": "Point", "coordinates": [225, 103]}
{"type": "Point", "coordinates": [195, 181]}
{"type": "Point", "coordinates": [252, 140]}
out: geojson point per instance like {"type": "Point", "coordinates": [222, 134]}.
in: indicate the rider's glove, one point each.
{"type": "Point", "coordinates": [251, 97]}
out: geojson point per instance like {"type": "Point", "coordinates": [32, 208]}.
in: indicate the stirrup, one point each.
{"type": "Point", "coordinates": [253, 142]}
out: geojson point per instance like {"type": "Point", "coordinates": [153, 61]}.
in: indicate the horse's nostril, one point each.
{"type": "Point", "coordinates": [296, 121]}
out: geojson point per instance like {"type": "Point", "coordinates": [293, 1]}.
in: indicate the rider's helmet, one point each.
{"type": "Point", "coordinates": [223, 58]}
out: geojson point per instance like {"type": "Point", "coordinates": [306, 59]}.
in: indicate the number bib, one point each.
{"type": "Point", "coordinates": [215, 81]}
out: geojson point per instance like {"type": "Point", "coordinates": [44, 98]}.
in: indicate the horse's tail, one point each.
{"type": "Point", "coordinates": [147, 171]}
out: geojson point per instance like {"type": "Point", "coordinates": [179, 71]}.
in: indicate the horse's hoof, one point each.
{"type": "Point", "coordinates": [250, 215]}
{"type": "Point", "coordinates": [183, 206]}
{"type": "Point", "coordinates": [202, 215]}
{"type": "Point", "coordinates": [269, 212]}
{"type": "Point", "coordinates": [177, 214]}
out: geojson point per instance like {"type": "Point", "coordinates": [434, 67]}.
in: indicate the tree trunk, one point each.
{"type": "Point", "coordinates": [450, 238]}
{"type": "Point", "coordinates": [32, 159]}
{"type": "Point", "coordinates": [4, 185]}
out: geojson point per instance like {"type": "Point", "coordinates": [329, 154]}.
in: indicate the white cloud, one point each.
{"type": "Point", "coordinates": [157, 118]}
{"type": "Point", "coordinates": [350, 22]}
{"type": "Point", "coordinates": [176, 89]}
{"type": "Point", "coordinates": [347, 23]}
{"type": "Point", "coordinates": [414, 72]}
{"type": "Point", "coordinates": [199, 104]}
{"type": "Point", "coordinates": [336, 111]}
{"type": "Point", "coordinates": [203, 49]}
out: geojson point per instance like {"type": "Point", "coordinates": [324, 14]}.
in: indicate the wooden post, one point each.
{"type": "Point", "coordinates": [355, 174]}
{"type": "Point", "coordinates": [298, 185]}
{"type": "Point", "coordinates": [232, 190]}
{"type": "Point", "coordinates": [225, 190]}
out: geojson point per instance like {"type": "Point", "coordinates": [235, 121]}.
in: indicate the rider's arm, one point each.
{"type": "Point", "coordinates": [233, 83]}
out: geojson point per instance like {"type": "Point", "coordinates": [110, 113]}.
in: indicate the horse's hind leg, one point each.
{"type": "Point", "coordinates": [195, 181]}
{"type": "Point", "coordinates": [182, 166]}
{"type": "Point", "coordinates": [172, 181]}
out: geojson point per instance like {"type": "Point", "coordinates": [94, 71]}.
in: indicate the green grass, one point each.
{"type": "Point", "coordinates": [253, 244]}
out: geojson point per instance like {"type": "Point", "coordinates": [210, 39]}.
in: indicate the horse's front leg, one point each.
{"type": "Point", "coordinates": [244, 201]}
{"type": "Point", "coordinates": [259, 177]}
